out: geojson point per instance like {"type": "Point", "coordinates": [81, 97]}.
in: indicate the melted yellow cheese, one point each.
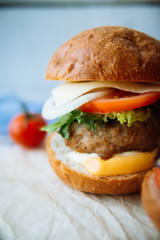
{"type": "Point", "coordinates": [120, 164]}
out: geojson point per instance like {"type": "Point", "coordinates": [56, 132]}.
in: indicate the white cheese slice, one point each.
{"type": "Point", "coordinates": [69, 91]}
{"type": "Point", "coordinates": [69, 96]}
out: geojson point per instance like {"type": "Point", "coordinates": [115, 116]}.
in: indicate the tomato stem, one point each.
{"type": "Point", "coordinates": [24, 108]}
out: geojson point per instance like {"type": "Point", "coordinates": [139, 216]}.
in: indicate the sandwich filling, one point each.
{"type": "Point", "coordinates": [108, 122]}
{"type": "Point", "coordinates": [90, 163]}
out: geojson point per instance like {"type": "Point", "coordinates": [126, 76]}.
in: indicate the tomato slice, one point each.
{"type": "Point", "coordinates": [157, 177]}
{"type": "Point", "coordinates": [120, 101]}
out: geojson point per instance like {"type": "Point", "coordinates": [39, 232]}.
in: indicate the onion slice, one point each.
{"type": "Point", "coordinates": [72, 91]}
{"type": "Point", "coordinates": [50, 111]}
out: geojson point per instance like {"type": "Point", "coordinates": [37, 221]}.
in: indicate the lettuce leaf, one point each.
{"type": "Point", "coordinates": [88, 119]}
{"type": "Point", "coordinates": [130, 116]}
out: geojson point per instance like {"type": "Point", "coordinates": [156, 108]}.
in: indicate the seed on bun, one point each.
{"type": "Point", "coordinates": [108, 131]}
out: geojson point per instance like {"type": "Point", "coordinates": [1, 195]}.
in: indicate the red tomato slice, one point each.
{"type": "Point", "coordinates": [120, 101]}
{"type": "Point", "coordinates": [157, 177]}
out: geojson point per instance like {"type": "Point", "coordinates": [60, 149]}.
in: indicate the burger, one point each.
{"type": "Point", "coordinates": [107, 110]}
{"type": "Point", "coordinates": [151, 194]}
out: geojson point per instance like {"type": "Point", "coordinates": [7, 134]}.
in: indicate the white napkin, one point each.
{"type": "Point", "coordinates": [36, 205]}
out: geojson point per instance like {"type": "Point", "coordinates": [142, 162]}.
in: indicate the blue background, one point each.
{"type": "Point", "coordinates": [30, 35]}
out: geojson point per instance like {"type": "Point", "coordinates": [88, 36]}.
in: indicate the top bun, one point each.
{"type": "Point", "coordinates": [107, 54]}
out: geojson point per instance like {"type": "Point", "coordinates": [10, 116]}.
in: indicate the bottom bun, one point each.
{"type": "Point", "coordinates": [122, 184]}
{"type": "Point", "coordinates": [151, 198]}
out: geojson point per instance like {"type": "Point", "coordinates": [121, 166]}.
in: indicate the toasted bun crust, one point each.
{"type": "Point", "coordinates": [107, 54]}
{"type": "Point", "coordinates": [151, 198]}
{"type": "Point", "coordinates": [99, 185]}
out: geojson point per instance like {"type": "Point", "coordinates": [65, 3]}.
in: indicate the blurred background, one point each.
{"type": "Point", "coordinates": [30, 32]}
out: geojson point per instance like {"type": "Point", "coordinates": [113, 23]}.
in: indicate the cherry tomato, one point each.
{"type": "Point", "coordinates": [157, 177]}
{"type": "Point", "coordinates": [24, 129]}
{"type": "Point", "coordinates": [120, 101]}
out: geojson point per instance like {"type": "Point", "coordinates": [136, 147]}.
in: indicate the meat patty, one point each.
{"type": "Point", "coordinates": [114, 137]}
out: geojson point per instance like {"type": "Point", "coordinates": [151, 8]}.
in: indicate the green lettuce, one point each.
{"type": "Point", "coordinates": [65, 121]}
{"type": "Point", "coordinates": [88, 119]}
{"type": "Point", "coordinates": [130, 116]}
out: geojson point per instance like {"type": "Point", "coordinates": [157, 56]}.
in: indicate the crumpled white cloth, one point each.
{"type": "Point", "coordinates": [36, 205]}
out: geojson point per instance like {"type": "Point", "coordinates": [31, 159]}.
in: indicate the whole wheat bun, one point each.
{"type": "Point", "coordinates": [107, 54]}
{"type": "Point", "coordinates": [151, 198]}
{"type": "Point", "coordinates": [122, 184]}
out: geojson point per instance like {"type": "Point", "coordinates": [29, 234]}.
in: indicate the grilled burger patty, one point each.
{"type": "Point", "coordinates": [114, 137]}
